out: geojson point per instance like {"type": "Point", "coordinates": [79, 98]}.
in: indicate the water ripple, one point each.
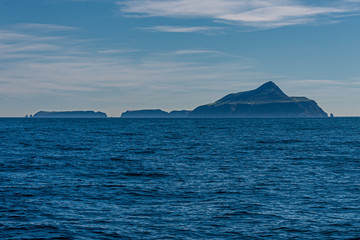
{"type": "Point", "coordinates": [180, 179]}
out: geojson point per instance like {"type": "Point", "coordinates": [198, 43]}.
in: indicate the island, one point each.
{"type": "Point", "coordinates": [179, 114]}
{"type": "Point", "coordinates": [267, 101]}
{"type": "Point", "coordinates": [70, 114]}
{"type": "Point", "coordinates": [155, 113]}
{"type": "Point", "coordinates": [148, 113]}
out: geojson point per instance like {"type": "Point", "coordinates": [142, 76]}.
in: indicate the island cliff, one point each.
{"type": "Point", "coordinates": [70, 114]}
{"type": "Point", "coordinates": [267, 101]}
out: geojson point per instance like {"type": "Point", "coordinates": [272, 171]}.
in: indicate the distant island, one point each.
{"type": "Point", "coordinates": [267, 101]}
{"type": "Point", "coordinates": [155, 113]}
{"type": "Point", "coordinates": [70, 114]}
{"type": "Point", "coordinates": [148, 113]}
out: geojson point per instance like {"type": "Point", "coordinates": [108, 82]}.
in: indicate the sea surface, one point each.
{"type": "Point", "coordinates": [180, 178]}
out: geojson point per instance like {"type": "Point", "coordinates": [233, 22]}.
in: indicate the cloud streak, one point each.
{"type": "Point", "coordinates": [196, 51]}
{"type": "Point", "coordinates": [181, 29]}
{"type": "Point", "coordinates": [249, 13]}
{"type": "Point", "coordinates": [43, 27]}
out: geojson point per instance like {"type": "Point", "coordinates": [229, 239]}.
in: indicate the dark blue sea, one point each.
{"type": "Point", "coordinates": [180, 178]}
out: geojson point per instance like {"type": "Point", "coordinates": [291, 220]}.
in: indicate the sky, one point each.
{"type": "Point", "coordinates": [118, 55]}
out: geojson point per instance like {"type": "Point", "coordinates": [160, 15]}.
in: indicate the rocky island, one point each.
{"type": "Point", "coordinates": [70, 114]}
{"type": "Point", "coordinates": [148, 113]}
{"type": "Point", "coordinates": [155, 113]}
{"type": "Point", "coordinates": [267, 101]}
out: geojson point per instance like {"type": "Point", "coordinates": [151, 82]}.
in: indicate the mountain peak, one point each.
{"type": "Point", "coordinates": [271, 87]}
{"type": "Point", "coordinates": [268, 92]}
{"type": "Point", "coordinates": [268, 85]}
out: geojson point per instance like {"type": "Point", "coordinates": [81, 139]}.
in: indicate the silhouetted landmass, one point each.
{"type": "Point", "coordinates": [70, 114]}
{"type": "Point", "coordinates": [179, 114]}
{"type": "Point", "coordinates": [148, 113]}
{"type": "Point", "coordinates": [267, 101]}
{"type": "Point", "coordinates": [155, 113]}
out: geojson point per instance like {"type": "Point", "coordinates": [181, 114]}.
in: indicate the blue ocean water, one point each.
{"type": "Point", "coordinates": [180, 178]}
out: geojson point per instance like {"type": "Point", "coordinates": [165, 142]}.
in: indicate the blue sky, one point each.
{"type": "Point", "coordinates": [113, 55]}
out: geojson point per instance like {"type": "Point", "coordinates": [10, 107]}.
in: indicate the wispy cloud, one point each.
{"type": "Point", "coordinates": [252, 13]}
{"type": "Point", "coordinates": [43, 27]}
{"type": "Point", "coordinates": [117, 51]}
{"type": "Point", "coordinates": [69, 75]}
{"type": "Point", "coordinates": [35, 47]}
{"type": "Point", "coordinates": [196, 51]}
{"type": "Point", "coordinates": [16, 42]}
{"type": "Point", "coordinates": [6, 35]}
{"type": "Point", "coordinates": [181, 29]}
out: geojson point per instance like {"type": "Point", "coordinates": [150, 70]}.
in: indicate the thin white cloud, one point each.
{"type": "Point", "coordinates": [277, 14]}
{"type": "Point", "coordinates": [37, 47]}
{"type": "Point", "coordinates": [28, 40]}
{"type": "Point", "coordinates": [44, 27]}
{"type": "Point", "coordinates": [117, 51]}
{"type": "Point", "coordinates": [253, 13]}
{"type": "Point", "coordinates": [196, 51]}
{"type": "Point", "coordinates": [180, 29]}
{"type": "Point", "coordinates": [6, 35]}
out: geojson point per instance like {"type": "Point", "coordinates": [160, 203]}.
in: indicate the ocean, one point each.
{"type": "Point", "coordinates": [180, 178]}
